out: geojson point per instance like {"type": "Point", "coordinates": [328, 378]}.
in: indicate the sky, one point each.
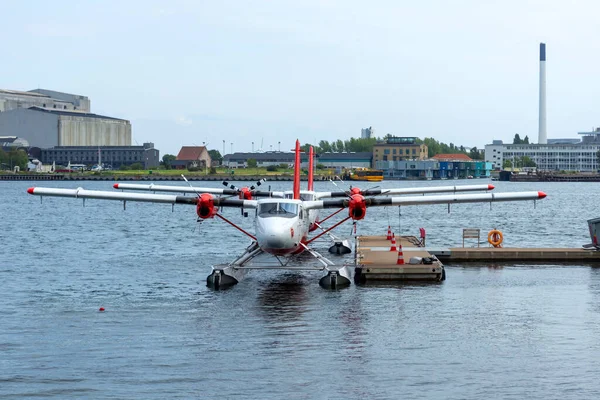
{"type": "Point", "coordinates": [229, 73]}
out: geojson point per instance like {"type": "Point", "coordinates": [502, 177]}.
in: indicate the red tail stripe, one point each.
{"type": "Point", "coordinates": [297, 172]}
{"type": "Point", "coordinates": [310, 168]}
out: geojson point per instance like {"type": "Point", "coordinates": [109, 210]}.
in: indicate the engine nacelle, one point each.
{"type": "Point", "coordinates": [357, 208]}
{"type": "Point", "coordinates": [206, 206]}
{"type": "Point", "coordinates": [245, 194]}
{"type": "Point", "coordinates": [354, 191]}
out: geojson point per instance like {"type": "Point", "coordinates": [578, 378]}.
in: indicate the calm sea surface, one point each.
{"type": "Point", "coordinates": [509, 332]}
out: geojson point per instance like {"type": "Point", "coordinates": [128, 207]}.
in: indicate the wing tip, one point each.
{"type": "Point", "coordinates": [116, 186]}
{"type": "Point", "coordinates": [541, 195]}
{"type": "Point", "coordinates": [30, 190]}
{"type": "Point", "coordinates": [491, 187]}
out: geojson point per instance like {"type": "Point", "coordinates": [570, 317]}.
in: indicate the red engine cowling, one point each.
{"type": "Point", "coordinates": [206, 206]}
{"type": "Point", "coordinates": [354, 191]}
{"type": "Point", "coordinates": [245, 194]}
{"type": "Point", "coordinates": [357, 208]}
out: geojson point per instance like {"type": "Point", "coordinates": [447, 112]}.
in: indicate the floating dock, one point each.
{"type": "Point", "coordinates": [376, 259]}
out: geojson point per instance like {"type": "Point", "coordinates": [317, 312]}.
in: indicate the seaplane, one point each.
{"type": "Point", "coordinates": [284, 221]}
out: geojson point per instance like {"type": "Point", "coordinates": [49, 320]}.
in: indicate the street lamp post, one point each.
{"type": "Point", "coordinates": [205, 163]}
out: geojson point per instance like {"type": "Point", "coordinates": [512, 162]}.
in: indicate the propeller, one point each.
{"type": "Point", "coordinates": [245, 193]}
{"type": "Point", "coordinates": [205, 207]}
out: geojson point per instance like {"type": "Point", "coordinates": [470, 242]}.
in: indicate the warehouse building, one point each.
{"type": "Point", "coordinates": [346, 160]}
{"type": "Point", "coordinates": [48, 127]}
{"type": "Point", "coordinates": [240, 160]}
{"type": "Point", "coordinates": [15, 99]}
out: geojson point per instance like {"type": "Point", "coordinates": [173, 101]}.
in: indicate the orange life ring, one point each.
{"type": "Point", "coordinates": [495, 238]}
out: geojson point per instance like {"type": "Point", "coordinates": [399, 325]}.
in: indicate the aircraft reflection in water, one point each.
{"type": "Point", "coordinates": [284, 220]}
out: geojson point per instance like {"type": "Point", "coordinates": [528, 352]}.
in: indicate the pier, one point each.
{"type": "Point", "coordinates": [376, 258]}
{"type": "Point", "coordinates": [492, 254]}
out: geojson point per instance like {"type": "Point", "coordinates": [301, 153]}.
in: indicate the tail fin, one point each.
{"type": "Point", "coordinates": [297, 172]}
{"type": "Point", "coordinates": [310, 168]}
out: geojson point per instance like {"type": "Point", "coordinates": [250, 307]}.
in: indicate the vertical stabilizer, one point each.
{"type": "Point", "coordinates": [542, 136]}
{"type": "Point", "coordinates": [310, 168]}
{"type": "Point", "coordinates": [297, 172]}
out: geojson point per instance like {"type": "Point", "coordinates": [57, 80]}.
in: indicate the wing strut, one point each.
{"type": "Point", "coordinates": [235, 226]}
{"type": "Point", "coordinates": [327, 230]}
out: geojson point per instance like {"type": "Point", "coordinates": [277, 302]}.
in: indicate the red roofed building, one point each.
{"type": "Point", "coordinates": [452, 157]}
{"type": "Point", "coordinates": [192, 156]}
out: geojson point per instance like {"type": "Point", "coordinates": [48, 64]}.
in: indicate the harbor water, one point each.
{"type": "Point", "coordinates": [509, 331]}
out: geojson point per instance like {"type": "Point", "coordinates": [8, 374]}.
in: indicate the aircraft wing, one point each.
{"type": "Point", "coordinates": [80, 193]}
{"type": "Point", "coordinates": [404, 191]}
{"type": "Point", "coordinates": [191, 189]}
{"type": "Point", "coordinates": [420, 200]}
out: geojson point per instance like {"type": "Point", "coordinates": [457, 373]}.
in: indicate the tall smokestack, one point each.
{"type": "Point", "coordinates": [542, 138]}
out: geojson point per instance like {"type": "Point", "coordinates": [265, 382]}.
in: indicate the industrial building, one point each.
{"type": "Point", "coordinates": [8, 143]}
{"type": "Point", "coordinates": [548, 154]}
{"type": "Point", "coordinates": [399, 149]}
{"type": "Point", "coordinates": [240, 160]}
{"type": "Point", "coordinates": [346, 160]}
{"type": "Point", "coordinates": [115, 156]}
{"type": "Point", "coordinates": [46, 127]}
{"type": "Point", "coordinates": [15, 99]}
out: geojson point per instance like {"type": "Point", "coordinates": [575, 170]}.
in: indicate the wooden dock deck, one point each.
{"type": "Point", "coordinates": [375, 261]}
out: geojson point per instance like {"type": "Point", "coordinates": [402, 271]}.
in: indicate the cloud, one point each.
{"type": "Point", "coordinates": [183, 121]}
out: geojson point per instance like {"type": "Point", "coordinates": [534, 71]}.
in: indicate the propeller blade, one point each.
{"type": "Point", "coordinates": [198, 194]}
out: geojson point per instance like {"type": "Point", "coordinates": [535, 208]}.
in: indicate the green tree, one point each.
{"type": "Point", "coordinates": [475, 154]}
{"type": "Point", "coordinates": [526, 161]}
{"type": "Point", "coordinates": [325, 146]}
{"type": "Point", "coordinates": [16, 158]}
{"type": "Point", "coordinates": [137, 166]}
{"type": "Point", "coordinates": [252, 163]}
{"type": "Point", "coordinates": [339, 145]}
{"type": "Point", "coordinates": [215, 155]}
{"type": "Point", "coordinates": [3, 159]}
{"type": "Point", "coordinates": [506, 164]}
{"type": "Point", "coordinates": [517, 139]}
{"type": "Point", "coordinates": [526, 140]}
{"type": "Point", "coordinates": [167, 160]}
{"type": "Point", "coordinates": [124, 167]}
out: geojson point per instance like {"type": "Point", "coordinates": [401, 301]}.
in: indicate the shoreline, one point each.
{"type": "Point", "coordinates": [157, 177]}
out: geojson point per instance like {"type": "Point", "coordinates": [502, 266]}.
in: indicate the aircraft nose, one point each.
{"type": "Point", "coordinates": [276, 242]}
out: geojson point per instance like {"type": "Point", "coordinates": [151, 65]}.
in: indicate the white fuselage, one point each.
{"type": "Point", "coordinates": [281, 226]}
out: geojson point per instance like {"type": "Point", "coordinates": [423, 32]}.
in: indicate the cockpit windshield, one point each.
{"type": "Point", "coordinates": [285, 210]}
{"type": "Point", "coordinates": [303, 196]}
